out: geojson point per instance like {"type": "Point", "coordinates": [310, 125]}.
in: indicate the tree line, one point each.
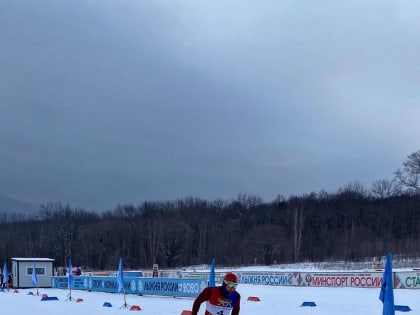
{"type": "Point", "coordinates": [350, 224]}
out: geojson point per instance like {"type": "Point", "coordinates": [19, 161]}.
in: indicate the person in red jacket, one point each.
{"type": "Point", "coordinates": [222, 300]}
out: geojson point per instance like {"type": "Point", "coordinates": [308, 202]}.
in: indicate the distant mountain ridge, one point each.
{"type": "Point", "coordinates": [12, 206]}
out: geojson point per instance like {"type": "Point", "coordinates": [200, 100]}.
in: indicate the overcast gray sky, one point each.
{"type": "Point", "coordinates": [105, 102]}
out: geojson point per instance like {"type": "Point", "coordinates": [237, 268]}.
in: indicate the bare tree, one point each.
{"type": "Point", "coordinates": [385, 188]}
{"type": "Point", "coordinates": [298, 222]}
{"type": "Point", "coordinates": [409, 175]}
{"type": "Point", "coordinates": [354, 189]}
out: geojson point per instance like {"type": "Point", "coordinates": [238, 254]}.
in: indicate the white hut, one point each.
{"type": "Point", "coordinates": [22, 272]}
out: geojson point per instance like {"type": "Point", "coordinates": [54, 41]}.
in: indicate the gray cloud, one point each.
{"type": "Point", "coordinates": [124, 101]}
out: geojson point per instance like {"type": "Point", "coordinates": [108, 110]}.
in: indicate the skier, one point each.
{"type": "Point", "coordinates": [222, 300]}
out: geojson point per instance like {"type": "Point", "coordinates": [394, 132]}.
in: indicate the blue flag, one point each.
{"type": "Point", "coordinates": [34, 278]}
{"type": "Point", "coordinates": [5, 273]}
{"type": "Point", "coordinates": [70, 276]}
{"type": "Point", "coordinates": [212, 281]}
{"type": "Point", "coordinates": [120, 276]}
{"type": "Point", "coordinates": [387, 289]}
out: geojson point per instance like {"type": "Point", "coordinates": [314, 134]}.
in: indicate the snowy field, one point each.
{"type": "Point", "coordinates": [277, 300]}
{"type": "Point", "coordinates": [273, 300]}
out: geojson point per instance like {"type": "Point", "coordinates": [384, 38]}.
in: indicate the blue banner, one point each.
{"type": "Point", "coordinates": [120, 276]}
{"type": "Point", "coordinates": [386, 294]}
{"type": "Point", "coordinates": [34, 278]}
{"type": "Point", "coordinates": [212, 277]}
{"type": "Point", "coordinates": [146, 286]}
{"type": "Point", "coordinates": [70, 276]}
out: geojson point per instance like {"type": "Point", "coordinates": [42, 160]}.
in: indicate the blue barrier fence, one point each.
{"type": "Point", "coordinates": [147, 286]}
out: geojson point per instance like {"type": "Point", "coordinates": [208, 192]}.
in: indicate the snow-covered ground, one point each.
{"type": "Point", "coordinates": [273, 300]}
{"type": "Point", "coordinates": [401, 264]}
